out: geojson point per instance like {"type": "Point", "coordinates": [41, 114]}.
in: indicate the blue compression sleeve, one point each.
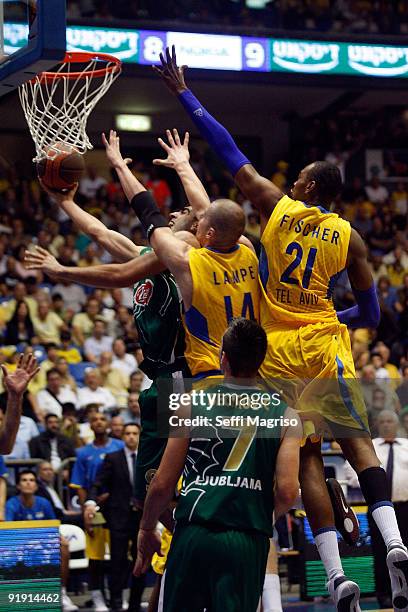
{"type": "Point", "coordinates": [366, 313]}
{"type": "Point", "coordinates": [214, 133]}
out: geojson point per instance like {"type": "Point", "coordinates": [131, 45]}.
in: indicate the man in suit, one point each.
{"type": "Point", "coordinates": [115, 483]}
{"type": "Point", "coordinates": [51, 445]}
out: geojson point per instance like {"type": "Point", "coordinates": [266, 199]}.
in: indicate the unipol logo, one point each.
{"type": "Point", "coordinates": [378, 61]}
{"type": "Point", "coordinates": [143, 293]}
{"type": "Point", "coordinates": [198, 112]}
{"type": "Point", "coordinates": [309, 57]}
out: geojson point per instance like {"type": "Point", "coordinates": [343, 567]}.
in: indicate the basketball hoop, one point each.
{"type": "Point", "coordinates": [57, 104]}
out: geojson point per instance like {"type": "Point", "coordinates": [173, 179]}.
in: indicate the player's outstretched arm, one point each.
{"type": "Point", "coordinates": [117, 245]}
{"type": "Point", "coordinates": [178, 158]}
{"type": "Point", "coordinates": [15, 384]}
{"type": "Point", "coordinates": [130, 184]}
{"type": "Point", "coordinates": [105, 276]}
{"type": "Point", "coordinates": [367, 311]}
{"type": "Point", "coordinates": [160, 494]}
{"type": "Point", "coordinates": [287, 465]}
{"type": "Point", "coordinates": [262, 192]}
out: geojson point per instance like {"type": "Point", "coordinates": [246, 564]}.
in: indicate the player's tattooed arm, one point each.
{"type": "Point", "coordinates": [103, 276]}
{"type": "Point", "coordinates": [262, 192]}
{"type": "Point", "coordinates": [178, 159]}
{"type": "Point", "coordinates": [120, 247]}
{"type": "Point", "coordinates": [160, 493]}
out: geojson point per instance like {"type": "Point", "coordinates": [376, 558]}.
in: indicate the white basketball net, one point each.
{"type": "Point", "coordinates": [57, 109]}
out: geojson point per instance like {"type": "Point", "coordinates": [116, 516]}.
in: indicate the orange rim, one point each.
{"type": "Point", "coordinates": [113, 64]}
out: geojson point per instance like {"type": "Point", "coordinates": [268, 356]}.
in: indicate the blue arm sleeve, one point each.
{"type": "Point", "coordinates": [215, 134]}
{"type": "Point", "coordinates": [366, 313]}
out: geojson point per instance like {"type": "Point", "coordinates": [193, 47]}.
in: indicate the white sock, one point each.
{"type": "Point", "coordinates": [386, 522]}
{"type": "Point", "coordinates": [96, 593]}
{"type": "Point", "coordinates": [271, 594]}
{"type": "Point", "coordinates": [63, 590]}
{"type": "Point", "coordinates": [328, 548]}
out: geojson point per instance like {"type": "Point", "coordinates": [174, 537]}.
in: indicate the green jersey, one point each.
{"type": "Point", "coordinates": [157, 315]}
{"type": "Point", "coordinates": [229, 475]}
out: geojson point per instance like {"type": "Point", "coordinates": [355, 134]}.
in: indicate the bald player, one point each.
{"type": "Point", "coordinates": [304, 248]}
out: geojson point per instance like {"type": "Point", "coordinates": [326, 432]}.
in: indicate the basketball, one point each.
{"type": "Point", "coordinates": [61, 167]}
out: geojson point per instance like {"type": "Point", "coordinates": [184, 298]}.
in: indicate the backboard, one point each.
{"type": "Point", "coordinates": [32, 39]}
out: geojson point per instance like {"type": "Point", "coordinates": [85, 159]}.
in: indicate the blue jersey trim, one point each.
{"type": "Point", "coordinates": [345, 394]}
{"type": "Point", "coordinates": [231, 250]}
{"type": "Point", "coordinates": [207, 373]}
{"type": "Point", "coordinates": [197, 325]}
{"type": "Point", "coordinates": [380, 505]}
{"type": "Point", "coordinates": [263, 267]}
{"type": "Point", "coordinates": [332, 284]}
{"type": "Point", "coordinates": [323, 530]}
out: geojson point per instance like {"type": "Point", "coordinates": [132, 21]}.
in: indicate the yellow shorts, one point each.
{"type": "Point", "coordinates": [96, 545]}
{"type": "Point", "coordinates": [159, 563]}
{"type": "Point", "coordinates": [312, 366]}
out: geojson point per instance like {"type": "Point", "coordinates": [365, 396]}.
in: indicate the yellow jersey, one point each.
{"type": "Point", "coordinates": [225, 285]}
{"type": "Point", "coordinates": [303, 251]}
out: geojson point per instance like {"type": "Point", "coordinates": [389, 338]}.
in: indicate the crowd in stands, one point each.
{"type": "Point", "coordinates": [352, 16]}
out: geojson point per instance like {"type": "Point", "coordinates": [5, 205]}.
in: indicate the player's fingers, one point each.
{"type": "Point", "coordinates": [34, 373]}
{"type": "Point", "coordinates": [22, 360]}
{"type": "Point", "coordinates": [138, 565]}
{"type": "Point", "coordinates": [163, 61]}
{"type": "Point", "coordinates": [159, 162]}
{"type": "Point", "coordinates": [164, 145]}
{"type": "Point", "coordinates": [128, 161]}
{"type": "Point", "coordinates": [186, 139]}
{"type": "Point", "coordinates": [105, 142]}
{"type": "Point", "coordinates": [176, 137]}
{"type": "Point", "coordinates": [41, 250]}
{"type": "Point", "coordinates": [170, 138]}
{"type": "Point", "coordinates": [4, 370]}
{"type": "Point", "coordinates": [168, 56]}
{"type": "Point", "coordinates": [183, 69]}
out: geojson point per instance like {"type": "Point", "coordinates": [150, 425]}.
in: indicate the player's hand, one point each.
{"type": "Point", "coordinates": [177, 152]}
{"type": "Point", "coordinates": [40, 259]}
{"type": "Point", "coordinates": [112, 148]}
{"type": "Point", "coordinates": [60, 196]}
{"type": "Point", "coordinates": [172, 75]}
{"type": "Point", "coordinates": [148, 543]}
{"type": "Point", "coordinates": [16, 382]}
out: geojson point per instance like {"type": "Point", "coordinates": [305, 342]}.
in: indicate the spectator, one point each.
{"type": "Point", "coordinates": [88, 463]}
{"type": "Point", "coordinates": [136, 381]}
{"type": "Point", "coordinates": [393, 374]}
{"type": "Point", "coordinates": [386, 294]}
{"type": "Point", "coordinates": [83, 322]}
{"type": "Point", "coordinates": [67, 350]}
{"type": "Point", "coordinates": [20, 327]}
{"type": "Point", "coordinates": [93, 393]}
{"type": "Point", "coordinates": [160, 190]}
{"type": "Point", "coordinates": [98, 342]}
{"type": "Point", "coordinates": [113, 379]}
{"type": "Point", "coordinates": [66, 379]}
{"type": "Point", "coordinates": [51, 445]}
{"type": "Point", "coordinates": [117, 478]}
{"type": "Point", "coordinates": [46, 489]}
{"type": "Point", "coordinates": [122, 360]}
{"type": "Point", "coordinates": [376, 193]}
{"type": "Point", "coordinates": [117, 425]}
{"type": "Point", "coordinates": [380, 371]}
{"type": "Point", "coordinates": [27, 506]}
{"type": "Point", "coordinates": [392, 451]}
{"type": "Point", "coordinates": [73, 295]}
{"type": "Point", "coordinates": [404, 421]}
{"type": "Point", "coordinates": [47, 324]}
{"type": "Point", "coordinates": [55, 395]}
{"type": "Point", "coordinates": [380, 240]}
{"type": "Point", "coordinates": [132, 414]}
{"type": "Point", "coordinates": [91, 183]}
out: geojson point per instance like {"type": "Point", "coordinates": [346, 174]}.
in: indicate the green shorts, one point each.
{"type": "Point", "coordinates": [220, 570]}
{"type": "Point", "coordinates": [154, 416]}
{"type": "Point", "coordinates": [151, 446]}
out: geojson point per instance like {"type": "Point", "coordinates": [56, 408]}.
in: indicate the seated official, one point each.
{"type": "Point", "coordinates": [51, 445]}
